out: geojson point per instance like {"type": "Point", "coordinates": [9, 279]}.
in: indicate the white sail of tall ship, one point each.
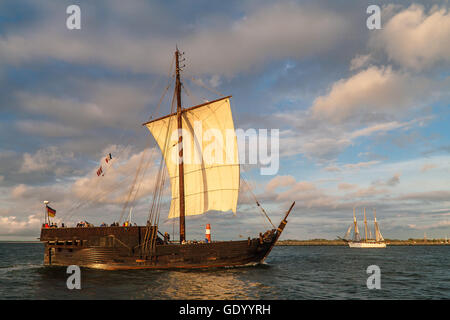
{"type": "Point", "coordinates": [368, 241]}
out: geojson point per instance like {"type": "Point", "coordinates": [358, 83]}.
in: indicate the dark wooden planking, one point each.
{"type": "Point", "coordinates": [92, 250]}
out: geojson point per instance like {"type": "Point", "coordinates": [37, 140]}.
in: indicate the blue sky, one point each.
{"type": "Point", "coordinates": [363, 114]}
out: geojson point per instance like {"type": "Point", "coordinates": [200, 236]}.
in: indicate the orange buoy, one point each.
{"type": "Point", "coordinates": [208, 233]}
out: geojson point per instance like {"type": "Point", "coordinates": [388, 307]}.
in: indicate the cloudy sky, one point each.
{"type": "Point", "coordinates": [362, 114]}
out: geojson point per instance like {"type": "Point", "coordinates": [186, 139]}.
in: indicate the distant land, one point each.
{"type": "Point", "coordinates": [325, 242]}
{"type": "Point", "coordinates": [391, 242]}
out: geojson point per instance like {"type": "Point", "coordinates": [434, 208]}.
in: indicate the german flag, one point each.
{"type": "Point", "coordinates": [51, 212]}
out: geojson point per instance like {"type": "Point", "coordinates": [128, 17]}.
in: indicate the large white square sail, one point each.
{"type": "Point", "coordinates": [210, 157]}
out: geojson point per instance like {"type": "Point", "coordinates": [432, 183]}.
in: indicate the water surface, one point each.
{"type": "Point", "coordinates": [290, 272]}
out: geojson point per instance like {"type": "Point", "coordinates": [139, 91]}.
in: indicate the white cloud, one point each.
{"type": "Point", "coordinates": [428, 166]}
{"type": "Point", "coordinates": [332, 169]}
{"type": "Point", "coordinates": [360, 165]}
{"type": "Point", "coordinates": [19, 191]}
{"type": "Point", "coordinates": [391, 182]}
{"type": "Point", "coordinates": [119, 174]}
{"type": "Point", "coordinates": [439, 224]}
{"type": "Point", "coordinates": [374, 101]}
{"type": "Point", "coordinates": [359, 61]}
{"type": "Point", "coordinates": [394, 180]}
{"type": "Point", "coordinates": [380, 127]}
{"type": "Point", "coordinates": [44, 160]}
{"type": "Point", "coordinates": [47, 129]}
{"type": "Point", "coordinates": [10, 225]}
{"type": "Point", "coordinates": [280, 181]}
{"type": "Point", "coordinates": [414, 38]}
{"type": "Point", "coordinates": [427, 196]}
{"type": "Point", "coordinates": [91, 105]}
{"type": "Point", "coordinates": [366, 193]}
{"type": "Point", "coordinates": [375, 90]}
{"type": "Point", "coordinates": [346, 186]}
{"type": "Point", "coordinates": [313, 146]}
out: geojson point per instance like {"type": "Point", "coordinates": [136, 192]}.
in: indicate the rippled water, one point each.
{"type": "Point", "coordinates": [297, 272]}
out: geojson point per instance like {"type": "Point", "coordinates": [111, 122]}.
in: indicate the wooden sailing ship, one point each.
{"type": "Point", "coordinates": [367, 241]}
{"type": "Point", "coordinates": [197, 187]}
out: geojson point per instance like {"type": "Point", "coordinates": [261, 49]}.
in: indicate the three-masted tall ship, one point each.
{"type": "Point", "coordinates": [199, 184]}
{"type": "Point", "coordinates": [368, 241]}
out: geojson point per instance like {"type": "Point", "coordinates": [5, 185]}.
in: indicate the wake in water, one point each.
{"type": "Point", "coordinates": [19, 267]}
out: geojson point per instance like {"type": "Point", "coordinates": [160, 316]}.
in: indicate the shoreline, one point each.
{"type": "Point", "coordinates": [324, 242]}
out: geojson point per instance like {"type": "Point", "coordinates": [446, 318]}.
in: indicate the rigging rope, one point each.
{"type": "Point", "coordinates": [132, 186]}
{"type": "Point", "coordinates": [171, 75]}
{"type": "Point", "coordinates": [257, 202]}
{"type": "Point", "coordinates": [190, 95]}
{"type": "Point", "coordinates": [80, 203]}
{"type": "Point", "coordinates": [154, 212]}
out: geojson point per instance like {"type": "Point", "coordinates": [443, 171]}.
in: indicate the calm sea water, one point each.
{"type": "Point", "coordinates": [296, 272]}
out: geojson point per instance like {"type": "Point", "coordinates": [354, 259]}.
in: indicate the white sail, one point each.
{"type": "Point", "coordinates": [378, 236]}
{"type": "Point", "coordinates": [347, 234]}
{"type": "Point", "coordinates": [356, 236]}
{"type": "Point", "coordinates": [210, 157]}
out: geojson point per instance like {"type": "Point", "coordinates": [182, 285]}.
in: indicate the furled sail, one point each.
{"type": "Point", "coordinates": [210, 157]}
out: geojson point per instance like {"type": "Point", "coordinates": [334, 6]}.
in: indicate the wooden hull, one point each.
{"type": "Point", "coordinates": [115, 248]}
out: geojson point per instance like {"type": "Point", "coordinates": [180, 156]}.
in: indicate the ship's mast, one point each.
{"type": "Point", "coordinates": [375, 227]}
{"type": "Point", "coordinates": [356, 233]}
{"type": "Point", "coordinates": [180, 148]}
{"type": "Point", "coordinates": [365, 225]}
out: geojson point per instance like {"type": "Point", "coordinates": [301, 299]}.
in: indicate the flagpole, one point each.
{"type": "Point", "coordinates": [46, 212]}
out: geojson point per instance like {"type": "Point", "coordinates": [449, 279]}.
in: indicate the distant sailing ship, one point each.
{"type": "Point", "coordinates": [368, 241]}
{"type": "Point", "coordinates": [196, 188]}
